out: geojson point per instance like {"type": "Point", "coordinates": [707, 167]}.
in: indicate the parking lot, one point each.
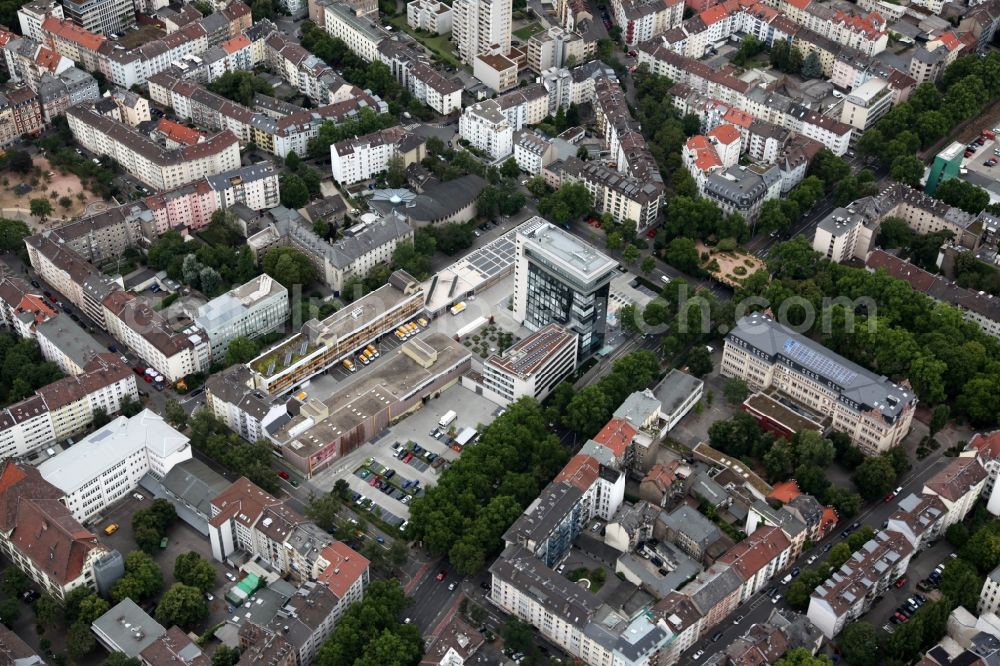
{"type": "Point", "coordinates": [182, 538]}
{"type": "Point", "coordinates": [920, 567]}
{"type": "Point", "coordinates": [473, 411]}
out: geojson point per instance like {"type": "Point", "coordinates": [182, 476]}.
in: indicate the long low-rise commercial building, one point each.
{"type": "Point", "coordinates": [322, 344]}
{"type": "Point", "coordinates": [322, 432]}
{"type": "Point", "coordinates": [875, 413]}
{"type": "Point", "coordinates": [158, 167]}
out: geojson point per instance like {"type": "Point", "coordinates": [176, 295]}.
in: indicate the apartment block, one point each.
{"type": "Point", "coordinates": [360, 34]}
{"type": "Point", "coordinates": [853, 589]}
{"type": "Point", "coordinates": [622, 196]}
{"type": "Point", "coordinates": [31, 15]}
{"type": "Point", "coordinates": [989, 596]}
{"type": "Point", "coordinates": [41, 537]}
{"type": "Point", "coordinates": [233, 399]}
{"type": "Point", "coordinates": [532, 152]}
{"type": "Point", "coordinates": [106, 466]}
{"type": "Point", "coordinates": [758, 558]}
{"type": "Point", "coordinates": [875, 413]}
{"type": "Point", "coordinates": [358, 159]}
{"type": "Point", "coordinates": [105, 17]}
{"type": "Point", "coordinates": [642, 20]}
{"type": "Point", "coordinates": [429, 15]}
{"type": "Point", "coordinates": [556, 47]}
{"type": "Point", "coordinates": [413, 71]}
{"type": "Point", "coordinates": [72, 402]}
{"type": "Point", "coordinates": [532, 367]}
{"type": "Point", "coordinates": [958, 486]}
{"type": "Point", "coordinates": [485, 126]}
{"type": "Point", "coordinates": [175, 354]}
{"type": "Point", "coordinates": [866, 104]}
{"type": "Point", "coordinates": [742, 190]}
{"type": "Point", "coordinates": [481, 26]}
{"type": "Point", "coordinates": [920, 519]}
{"type": "Point", "coordinates": [249, 310]}
{"type": "Point", "coordinates": [146, 160]}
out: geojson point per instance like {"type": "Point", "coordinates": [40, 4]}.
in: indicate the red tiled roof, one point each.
{"type": "Point", "coordinates": [243, 501]}
{"type": "Point", "coordinates": [47, 59]}
{"type": "Point", "coordinates": [955, 480]}
{"type": "Point", "coordinates": [714, 14]}
{"type": "Point", "coordinates": [41, 527]}
{"type": "Point", "coordinates": [949, 40]}
{"type": "Point", "coordinates": [616, 435]}
{"type": "Point", "coordinates": [37, 305]}
{"type": "Point", "coordinates": [738, 117]}
{"type": "Point", "coordinates": [346, 566]}
{"type": "Point", "coordinates": [753, 553]}
{"type": "Point", "coordinates": [71, 32]}
{"type": "Point", "coordinates": [581, 471]}
{"type": "Point", "coordinates": [726, 134]}
{"type": "Point", "coordinates": [988, 445]}
{"type": "Point", "coordinates": [179, 133]}
{"type": "Point", "coordinates": [917, 278]}
{"type": "Point", "coordinates": [799, 4]}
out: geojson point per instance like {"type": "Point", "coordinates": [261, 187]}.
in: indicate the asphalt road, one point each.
{"type": "Point", "coordinates": [757, 609]}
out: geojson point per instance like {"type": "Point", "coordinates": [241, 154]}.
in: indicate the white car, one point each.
{"type": "Point", "coordinates": [138, 496]}
{"type": "Point", "coordinates": [812, 558]}
{"type": "Point", "coordinates": [451, 586]}
{"type": "Point", "coordinates": [230, 576]}
{"type": "Point", "coordinates": [776, 598]}
{"type": "Point", "coordinates": [697, 655]}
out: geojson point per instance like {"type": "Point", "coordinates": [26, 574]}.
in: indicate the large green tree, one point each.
{"type": "Point", "coordinates": [192, 569]}
{"type": "Point", "coordinates": [289, 267]}
{"type": "Point", "coordinates": [182, 605]}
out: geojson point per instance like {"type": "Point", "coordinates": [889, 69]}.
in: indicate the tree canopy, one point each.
{"type": "Point", "coordinates": [369, 632]}
{"type": "Point", "coordinates": [289, 266]}
{"type": "Point", "coordinates": [241, 87]}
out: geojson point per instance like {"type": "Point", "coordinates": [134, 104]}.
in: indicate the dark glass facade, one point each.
{"type": "Point", "coordinates": [578, 307]}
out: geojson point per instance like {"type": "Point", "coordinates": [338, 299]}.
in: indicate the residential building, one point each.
{"type": "Point", "coordinates": [66, 343]}
{"type": "Point", "coordinates": [41, 537]}
{"type": "Point", "coordinates": [485, 126]}
{"type": "Point", "coordinates": [359, 159]}
{"type": "Point", "coordinates": [335, 338]}
{"type": "Point", "coordinates": [989, 596]}
{"type": "Point", "coordinates": [987, 448]}
{"type": "Point", "coordinates": [455, 645]}
{"type": "Point", "coordinates": [919, 518]}
{"type": "Point", "coordinates": [174, 647]}
{"type": "Point", "coordinates": [31, 15]}
{"type": "Point", "coordinates": [105, 17]}
{"type": "Point", "coordinates": [16, 652]}
{"type": "Point", "coordinates": [143, 158]}
{"type": "Point", "coordinates": [481, 26]}
{"type": "Point", "coordinates": [871, 410]}
{"type": "Point", "coordinates": [758, 558]}
{"type": "Point", "coordinates": [72, 402]}
{"type": "Point", "coordinates": [677, 393]}
{"type": "Point", "coordinates": [175, 354]}
{"type": "Point", "coordinates": [25, 427]}
{"type": "Point", "coordinates": [642, 20]}
{"type": "Point", "coordinates": [413, 71]}
{"type": "Point", "coordinates": [550, 524]}
{"type": "Point", "coordinates": [977, 307]}
{"type": "Point", "coordinates": [559, 278]}
{"type": "Point", "coordinates": [255, 186]}
{"type": "Point", "coordinates": [106, 465]}
{"type": "Point", "coordinates": [687, 528]}
{"type": "Point", "coordinates": [958, 486]}
{"type": "Point", "coordinates": [249, 310]}
{"type": "Point", "coordinates": [853, 589]}
{"type": "Point", "coordinates": [321, 433]}
{"type": "Point", "coordinates": [126, 628]}
{"type": "Point", "coordinates": [234, 400]}
{"type": "Point", "coordinates": [556, 47]}
{"type": "Point", "coordinates": [617, 193]}
{"type": "Point", "coordinates": [571, 616]}
{"type": "Point", "coordinates": [360, 34]}
{"type": "Point", "coordinates": [429, 15]}
{"type": "Point", "coordinates": [532, 367]}
{"type": "Point", "coordinates": [532, 152]}
{"type": "Point", "coordinates": [307, 619]}
{"type": "Point", "coordinates": [743, 190]}
{"type": "Point", "coordinates": [866, 104]}
{"type": "Point", "coordinates": [497, 72]}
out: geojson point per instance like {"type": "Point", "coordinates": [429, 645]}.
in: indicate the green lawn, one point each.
{"type": "Point", "coordinates": [439, 45]}
{"type": "Point", "coordinates": [527, 31]}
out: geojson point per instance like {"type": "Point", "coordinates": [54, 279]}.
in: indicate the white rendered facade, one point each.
{"type": "Point", "coordinates": [430, 15]}
{"type": "Point", "coordinates": [107, 465]}
{"type": "Point", "coordinates": [485, 126]}
{"type": "Point", "coordinates": [249, 310]}
{"type": "Point", "coordinates": [481, 26]}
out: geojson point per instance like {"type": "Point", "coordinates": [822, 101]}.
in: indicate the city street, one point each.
{"type": "Point", "coordinates": [757, 609]}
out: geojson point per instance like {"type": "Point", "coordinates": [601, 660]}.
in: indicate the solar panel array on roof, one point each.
{"type": "Point", "coordinates": [818, 362]}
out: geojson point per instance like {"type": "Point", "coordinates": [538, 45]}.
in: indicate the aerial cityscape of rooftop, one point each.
{"type": "Point", "coordinates": [499, 332]}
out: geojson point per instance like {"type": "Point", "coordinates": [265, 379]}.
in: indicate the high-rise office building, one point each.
{"type": "Point", "coordinates": [559, 278]}
{"type": "Point", "coordinates": [481, 26]}
{"type": "Point", "coordinates": [101, 16]}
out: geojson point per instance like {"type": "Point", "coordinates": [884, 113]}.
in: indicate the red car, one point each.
{"type": "Point", "coordinates": [442, 574]}
{"type": "Point", "coordinates": [283, 474]}
{"type": "Point", "coordinates": [372, 481]}
{"type": "Point", "coordinates": [901, 617]}
{"type": "Point", "coordinates": [148, 378]}
{"type": "Point", "coordinates": [139, 370]}
{"type": "Point", "coordinates": [408, 458]}
{"type": "Point", "coordinates": [901, 582]}
{"type": "Point", "coordinates": [651, 233]}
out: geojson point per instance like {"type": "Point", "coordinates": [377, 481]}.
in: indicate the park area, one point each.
{"type": "Point", "coordinates": [64, 192]}
{"type": "Point", "coordinates": [728, 265]}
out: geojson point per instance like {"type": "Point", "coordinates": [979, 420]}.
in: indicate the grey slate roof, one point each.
{"type": "Point", "coordinates": [693, 525]}
{"type": "Point", "coordinates": [858, 388]}
{"type": "Point", "coordinates": [707, 593]}
{"type": "Point", "coordinates": [675, 388]}
{"type": "Point", "coordinates": [196, 484]}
